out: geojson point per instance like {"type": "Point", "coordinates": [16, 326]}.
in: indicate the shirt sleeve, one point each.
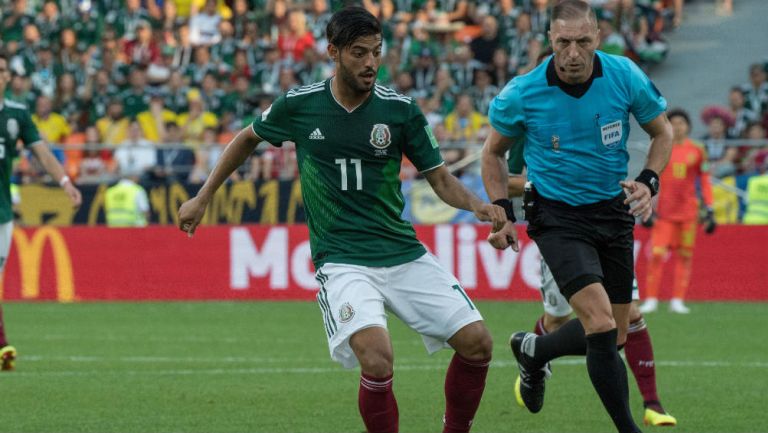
{"type": "Point", "coordinates": [274, 123]}
{"type": "Point", "coordinates": [28, 134]}
{"type": "Point", "coordinates": [421, 146]}
{"type": "Point", "coordinates": [515, 161]}
{"type": "Point", "coordinates": [647, 102]}
{"type": "Point", "coordinates": [506, 112]}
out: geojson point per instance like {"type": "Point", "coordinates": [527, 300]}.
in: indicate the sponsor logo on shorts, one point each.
{"type": "Point", "coordinates": [346, 312]}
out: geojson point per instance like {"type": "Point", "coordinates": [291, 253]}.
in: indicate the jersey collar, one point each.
{"type": "Point", "coordinates": [333, 97]}
{"type": "Point", "coordinates": [575, 90]}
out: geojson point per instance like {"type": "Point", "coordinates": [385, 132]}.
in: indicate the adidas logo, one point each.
{"type": "Point", "coordinates": [316, 135]}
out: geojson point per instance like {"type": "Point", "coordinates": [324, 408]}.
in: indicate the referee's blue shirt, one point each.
{"type": "Point", "coordinates": [576, 136]}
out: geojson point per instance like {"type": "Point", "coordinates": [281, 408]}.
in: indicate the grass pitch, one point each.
{"type": "Point", "coordinates": [264, 367]}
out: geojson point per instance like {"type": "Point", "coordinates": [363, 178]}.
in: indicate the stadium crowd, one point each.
{"type": "Point", "coordinates": [155, 88]}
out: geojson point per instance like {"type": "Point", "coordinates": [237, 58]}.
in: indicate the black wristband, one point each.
{"type": "Point", "coordinates": [507, 205]}
{"type": "Point", "coordinates": [650, 179]}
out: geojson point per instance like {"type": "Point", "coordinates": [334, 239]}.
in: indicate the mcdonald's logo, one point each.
{"type": "Point", "coordinates": [30, 253]}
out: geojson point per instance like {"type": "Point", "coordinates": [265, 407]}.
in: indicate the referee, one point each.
{"type": "Point", "coordinates": [571, 114]}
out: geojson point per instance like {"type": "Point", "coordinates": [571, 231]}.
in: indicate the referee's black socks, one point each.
{"type": "Point", "coordinates": [609, 377]}
{"type": "Point", "coordinates": [566, 340]}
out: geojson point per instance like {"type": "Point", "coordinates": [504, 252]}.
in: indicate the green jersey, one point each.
{"type": "Point", "coordinates": [349, 164]}
{"type": "Point", "coordinates": [15, 124]}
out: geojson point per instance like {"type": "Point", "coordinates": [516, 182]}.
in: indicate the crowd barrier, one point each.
{"type": "Point", "coordinates": [259, 262]}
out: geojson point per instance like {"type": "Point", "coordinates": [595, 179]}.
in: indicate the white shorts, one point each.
{"type": "Point", "coordinates": [554, 301]}
{"type": "Point", "coordinates": [421, 293]}
{"type": "Point", "coordinates": [6, 236]}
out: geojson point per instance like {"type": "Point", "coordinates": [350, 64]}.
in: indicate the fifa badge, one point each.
{"type": "Point", "coordinates": [556, 143]}
{"type": "Point", "coordinates": [12, 126]}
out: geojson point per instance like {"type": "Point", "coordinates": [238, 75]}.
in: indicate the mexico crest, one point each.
{"type": "Point", "coordinates": [13, 129]}
{"type": "Point", "coordinates": [381, 138]}
{"type": "Point", "coordinates": [346, 312]}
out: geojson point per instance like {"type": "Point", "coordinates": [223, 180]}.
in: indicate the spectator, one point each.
{"type": "Point", "coordinates": [718, 120]}
{"type": "Point", "coordinates": [15, 21]}
{"type": "Point", "coordinates": [464, 67]}
{"type": "Point", "coordinates": [175, 93]}
{"type": "Point", "coordinates": [213, 95]}
{"type": "Point", "coordinates": [204, 26]}
{"type": "Point", "coordinates": [445, 91]}
{"type": "Point", "coordinates": [267, 73]}
{"type": "Point", "coordinates": [95, 165]}
{"type": "Point", "coordinates": [183, 49]}
{"type": "Point", "coordinates": [238, 104]}
{"type": "Point", "coordinates": [53, 126]}
{"type": "Point", "coordinates": [756, 91]}
{"type": "Point", "coordinates": [423, 73]}
{"type": "Point", "coordinates": [464, 124]}
{"type": "Point", "coordinates": [49, 21]}
{"type": "Point", "coordinates": [113, 127]}
{"type": "Point", "coordinates": [44, 76]}
{"type": "Point", "coordinates": [68, 56]}
{"type": "Point", "coordinates": [153, 120]}
{"type": "Point", "coordinates": [174, 160]}
{"type": "Point", "coordinates": [540, 14]}
{"type": "Point", "coordinates": [201, 66]}
{"type": "Point", "coordinates": [66, 101]}
{"type": "Point", "coordinates": [87, 28]}
{"type": "Point", "coordinates": [287, 80]}
{"type": "Point", "coordinates": [126, 20]}
{"type": "Point", "coordinates": [295, 37]}
{"type": "Point", "coordinates": [757, 152]}
{"type": "Point", "coordinates": [611, 41]}
{"type": "Point", "coordinates": [739, 111]}
{"type": "Point", "coordinates": [223, 53]}
{"type": "Point", "coordinates": [97, 93]}
{"type": "Point", "coordinates": [317, 20]}
{"type": "Point", "coordinates": [20, 91]}
{"type": "Point", "coordinates": [312, 68]}
{"type": "Point", "coordinates": [143, 49]}
{"type": "Point", "coordinates": [194, 122]}
{"type": "Point", "coordinates": [135, 99]}
{"type": "Point", "coordinates": [483, 91]}
{"type": "Point", "coordinates": [135, 156]}
{"type": "Point", "coordinates": [500, 68]}
{"type": "Point", "coordinates": [485, 45]}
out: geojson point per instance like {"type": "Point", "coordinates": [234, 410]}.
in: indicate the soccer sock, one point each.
{"type": "Point", "coordinates": [539, 328]}
{"type": "Point", "coordinates": [639, 353]}
{"type": "Point", "coordinates": [682, 274]}
{"type": "Point", "coordinates": [653, 280]}
{"type": "Point", "coordinates": [377, 404]}
{"type": "Point", "coordinates": [566, 340]}
{"type": "Point", "coordinates": [3, 341]}
{"type": "Point", "coordinates": [464, 386]}
{"type": "Point", "coordinates": [605, 371]}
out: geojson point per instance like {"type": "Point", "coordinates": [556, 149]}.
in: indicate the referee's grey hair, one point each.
{"type": "Point", "coordinates": [573, 9]}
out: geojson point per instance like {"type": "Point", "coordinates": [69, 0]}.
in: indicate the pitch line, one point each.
{"type": "Point", "coordinates": [289, 370]}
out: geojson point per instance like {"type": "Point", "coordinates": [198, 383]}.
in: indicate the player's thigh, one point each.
{"type": "Point", "coordinates": [618, 263]}
{"type": "Point", "coordinates": [350, 300]}
{"type": "Point", "coordinates": [687, 236]}
{"type": "Point", "coordinates": [6, 236]}
{"type": "Point", "coordinates": [429, 300]}
{"type": "Point", "coordinates": [554, 302]}
{"type": "Point", "coordinates": [572, 257]}
{"type": "Point", "coordinates": [662, 236]}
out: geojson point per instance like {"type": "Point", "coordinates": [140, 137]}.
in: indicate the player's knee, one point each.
{"type": "Point", "coordinates": [473, 342]}
{"type": "Point", "coordinates": [598, 323]}
{"type": "Point", "coordinates": [376, 362]}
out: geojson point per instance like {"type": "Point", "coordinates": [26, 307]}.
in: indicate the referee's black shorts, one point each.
{"type": "Point", "coordinates": [587, 244]}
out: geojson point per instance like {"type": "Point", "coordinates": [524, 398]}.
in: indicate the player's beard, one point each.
{"type": "Point", "coordinates": [353, 81]}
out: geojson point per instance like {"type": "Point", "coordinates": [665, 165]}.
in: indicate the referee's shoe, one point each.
{"type": "Point", "coordinates": [529, 386]}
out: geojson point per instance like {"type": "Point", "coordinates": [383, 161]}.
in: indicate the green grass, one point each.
{"type": "Point", "coordinates": [264, 367]}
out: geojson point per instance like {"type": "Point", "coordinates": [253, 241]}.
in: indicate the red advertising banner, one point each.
{"type": "Point", "coordinates": [273, 262]}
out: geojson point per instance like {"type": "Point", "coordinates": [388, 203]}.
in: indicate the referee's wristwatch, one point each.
{"type": "Point", "coordinates": [508, 208]}
{"type": "Point", "coordinates": [650, 179]}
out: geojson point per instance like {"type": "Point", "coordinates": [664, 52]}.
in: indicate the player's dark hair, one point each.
{"type": "Point", "coordinates": [573, 9]}
{"type": "Point", "coordinates": [349, 24]}
{"type": "Point", "coordinates": [4, 56]}
{"type": "Point", "coordinates": [679, 112]}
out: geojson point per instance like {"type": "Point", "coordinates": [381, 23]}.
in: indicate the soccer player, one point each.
{"type": "Point", "coordinates": [677, 214]}
{"type": "Point", "coordinates": [571, 114]}
{"type": "Point", "coordinates": [350, 136]}
{"type": "Point", "coordinates": [16, 124]}
{"type": "Point", "coordinates": [557, 313]}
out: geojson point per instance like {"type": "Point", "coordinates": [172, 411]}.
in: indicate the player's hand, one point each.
{"type": "Point", "coordinates": [492, 213]}
{"type": "Point", "coordinates": [74, 194]}
{"type": "Point", "coordinates": [190, 214]}
{"type": "Point", "coordinates": [639, 194]}
{"type": "Point", "coordinates": [506, 237]}
{"type": "Point", "coordinates": [709, 222]}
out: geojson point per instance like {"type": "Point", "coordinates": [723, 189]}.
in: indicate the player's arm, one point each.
{"type": "Point", "coordinates": [234, 155]}
{"type": "Point", "coordinates": [515, 184]}
{"type": "Point", "coordinates": [454, 193]}
{"type": "Point", "coordinates": [51, 165]}
{"type": "Point", "coordinates": [496, 181]}
{"type": "Point", "coordinates": [642, 189]}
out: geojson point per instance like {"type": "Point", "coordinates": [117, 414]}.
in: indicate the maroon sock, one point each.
{"type": "Point", "coordinates": [539, 328]}
{"type": "Point", "coordinates": [464, 386]}
{"type": "Point", "coordinates": [377, 404]}
{"type": "Point", "coordinates": [639, 353]}
{"type": "Point", "coordinates": [3, 341]}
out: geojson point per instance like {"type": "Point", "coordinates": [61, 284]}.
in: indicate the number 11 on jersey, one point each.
{"type": "Point", "coordinates": [342, 162]}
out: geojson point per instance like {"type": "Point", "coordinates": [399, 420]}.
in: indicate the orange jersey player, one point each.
{"type": "Point", "coordinates": [677, 213]}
